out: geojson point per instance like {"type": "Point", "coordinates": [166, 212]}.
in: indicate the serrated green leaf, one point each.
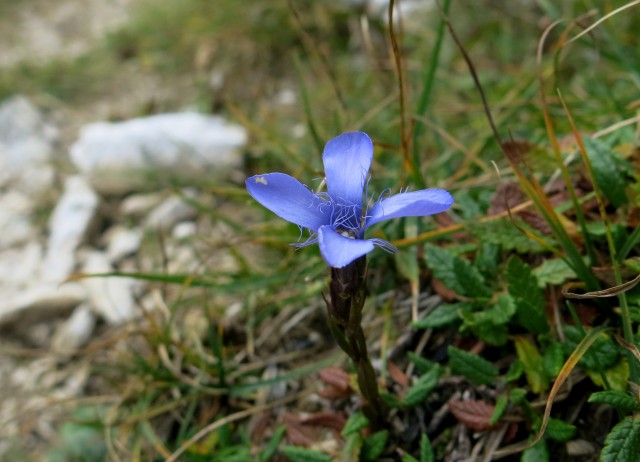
{"type": "Point", "coordinates": [296, 454]}
{"type": "Point", "coordinates": [554, 271]}
{"type": "Point", "coordinates": [421, 389]}
{"type": "Point", "coordinates": [558, 430]}
{"type": "Point", "coordinates": [602, 355]}
{"type": "Point", "coordinates": [426, 451]}
{"type": "Point", "coordinates": [422, 364]}
{"type": "Point", "coordinates": [374, 445]}
{"type": "Point", "coordinates": [440, 261]}
{"type": "Point", "coordinates": [456, 273]}
{"type": "Point", "coordinates": [533, 363]}
{"type": "Point", "coordinates": [488, 258]}
{"type": "Point", "coordinates": [470, 282]}
{"type": "Point", "coordinates": [617, 399]}
{"type": "Point", "coordinates": [355, 423]}
{"type": "Point", "coordinates": [623, 442]}
{"type": "Point", "coordinates": [607, 168]}
{"type": "Point", "coordinates": [539, 452]}
{"type": "Point", "coordinates": [502, 310]}
{"type": "Point", "coordinates": [482, 325]}
{"type": "Point", "coordinates": [499, 409]}
{"type": "Point", "coordinates": [504, 234]}
{"type": "Point", "coordinates": [475, 368]}
{"type": "Point", "coordinates": [443, 314]}
{"type": "Point", "coordinates": [529, 300]}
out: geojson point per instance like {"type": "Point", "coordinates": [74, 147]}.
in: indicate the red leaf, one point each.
{"type": "Point", "coordinates": [473, 414]}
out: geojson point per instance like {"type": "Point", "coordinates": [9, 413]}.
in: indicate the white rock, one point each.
{"type": "Point", "coordinates": [185, 229]}
{"type": "Point", "coordinates": [19, 276]}
{"type": "Point", "coordinates": [26, 147]}
{"type": "Point", "coordinates": [122, 242]}
{"type": "Point", "coordinates": [111, 297]}
{"type": "Point", "coordinates": [75, 332]}
{"type": "Point", "coordinates": [126, 156]}
{"type": "Point", "coordinates": [41, 302]}
{"type": "Point", "coordinates": [68, 226]}
{"type": "Point", "coordinates": [170, 212]}
{"type": "Point", "coordinates": [15, 221]}
{"type": "Point", "coordinates": [138, 205]}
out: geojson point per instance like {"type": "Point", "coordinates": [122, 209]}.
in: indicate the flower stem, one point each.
{"type": "Point", "coordinates": [347, 291]}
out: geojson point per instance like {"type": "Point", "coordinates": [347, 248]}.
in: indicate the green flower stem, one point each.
{"type": "Point", "coordinates": [347, 291]}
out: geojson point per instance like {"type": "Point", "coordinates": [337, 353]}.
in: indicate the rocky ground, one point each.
{"type": "Point", "coordinates": [81, 195]}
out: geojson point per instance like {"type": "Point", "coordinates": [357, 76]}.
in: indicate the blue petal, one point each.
{"type": "Point", "coordinates": [411, 204]}
{"type": "Point", "coordinates": [289, 199]}
{"type": "Point", "coordinates": [339, 251]}
{"type": "Point", "coordinates": [347, 159]}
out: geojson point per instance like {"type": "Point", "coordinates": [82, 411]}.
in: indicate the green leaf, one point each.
{"type": "Point", "coordinates": [602, 355]}
{"type": "Point", "coordinates": [443, 314]}
{"type": "Point", "coordinates": [617, 399]}
{"type": "Point", "coordinates": [554, 271]}
{"type": "Point", "coordinates": [530, 302]}
{"type": "Point", "coordinates": [499, 409]}
{"type": "Point", "coordinates": [559, 430]}
{"type": "Point", "coordinates": [272, 446]}
{"type": "Point", "coordinates": [470, 282]}
{"type": "Point", "coordinates": [475, 368]}
{"type": "Point", "coordinates": [440, 261]}
{"type": "Point", "coordinates": [374, 445]}
{"type": "Point", "coordinates": [608, 170]}
{"type": "Point", "coordinates": [515, 371]}
{"type": "Point", "coordinates": [553, 358]}
{"type": "Point", "coordinates": [617, 376]}
{"type": "Point", "coordinates": [502, 310]}
{"type": "Point", "coordinates": [355, 423]}
{"type": "Point", "coordinates": [426, 451]}
{"type": "Point", "coordinates": [421, 363]}
{"type": "Point", "coordinates": [488, 258]}
{"type": "Point", "coordinates": [518, 396]}
{"type": "Point", "coordinates": [391, 400]}
{"type": "Point", "coordinates": [421, 389]}
{"type": "Point", "coordinates": [296, 454]}
{"type": "Point", "coordinates": [504, 234]}
{"type": "Point", "coordinates": [456, 273]}
{"type": "Point", "coordinates": [533, 364]}
{"type": "Point", "coordinates": [623, 442]}
{"type": "Point", "coordinates": [408, 458]}
{"type": "Point", "coordinates": [483, 325]}
{"type": "Point", "coordinates": [536, 453]}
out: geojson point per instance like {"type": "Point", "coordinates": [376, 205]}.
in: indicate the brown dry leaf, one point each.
{"type": "Point", "coordinates": [326, 419]}
{"type": "Point", "coordinates": [298, 434]}
{"type": "Point", "coordinates": [473, 414]}
{"type": "Point", "coordinates": [516, 150]}
{"type": "Point", "coordinates": [507, 193]}
{"type": "Point", "coordinates": [336, 381]}
{"type": "Point", "coordinates": [535, 220]}
{"type": "Point", "coordinates": [397, 375]}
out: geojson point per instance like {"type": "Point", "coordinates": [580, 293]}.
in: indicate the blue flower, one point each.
{"type": "Point", "coordinates": [338, 217]}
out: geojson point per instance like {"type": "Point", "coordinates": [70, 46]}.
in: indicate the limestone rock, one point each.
{"type": "Point", "coordinates": [26, 147]}
{"type": "Point", "coordinates": [122, 157]}
{"type": "Point", "coordinates": [112, 298]}
{"type": "Point", "coordinates": [68, 226]}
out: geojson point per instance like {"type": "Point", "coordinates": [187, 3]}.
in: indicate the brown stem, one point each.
{"type": "Point", "coordinates": [347, 295]}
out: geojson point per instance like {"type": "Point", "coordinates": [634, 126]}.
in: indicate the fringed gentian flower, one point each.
{"type": "Point", "coordinates": [339, 217]}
